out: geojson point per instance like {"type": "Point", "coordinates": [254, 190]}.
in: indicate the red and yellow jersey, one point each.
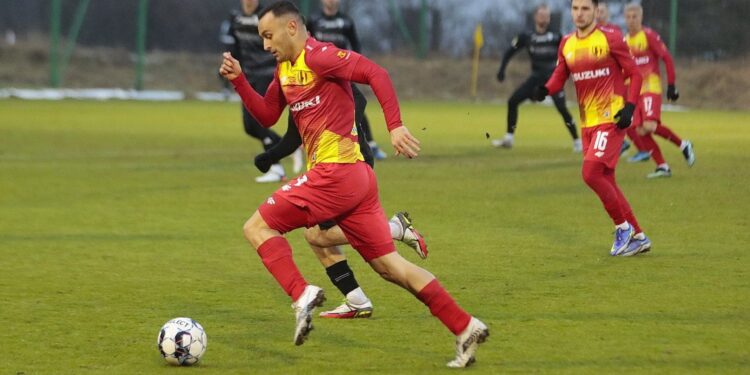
{"type": "Point", "coordinates": [598, 64]}
{"type": "Point", "coordinates": [317, 88]}
{"type": "Point", "coordinates": [322, 106]}
{"type": "Point", "coordinates": [647, 48]}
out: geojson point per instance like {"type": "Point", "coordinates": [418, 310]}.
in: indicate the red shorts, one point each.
{"type": "Point", "coordinates": [344, 193]}
{"type": "Point", "coordinates": [647, 109]}
{"type": "Point", "coordinates": [602, 143]}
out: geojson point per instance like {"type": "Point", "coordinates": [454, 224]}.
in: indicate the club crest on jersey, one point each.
{"type": "Point", "coordinates": [597, 51]}
{"type": "Point", "coordinates": [639, 46]}
{"type": "Point", "coordinates": [298, 78]}
{"type": "Point", "coordinates": [341, 54]}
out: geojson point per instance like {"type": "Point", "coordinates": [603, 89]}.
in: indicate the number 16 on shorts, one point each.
{"type": "Point", "coordinates": [600, 143]}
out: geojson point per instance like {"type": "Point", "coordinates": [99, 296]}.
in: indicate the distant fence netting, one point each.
{"type": "Point", "coordinates": [714, 29]}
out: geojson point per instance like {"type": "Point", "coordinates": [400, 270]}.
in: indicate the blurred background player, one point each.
{"type": "Point", "coordinates": [333, 26]}
{"type": "Point", "coordinates": [315, 78]}
{"type": "Point", "coordinates": [326, 240]}
{"type": "Point", "coordinates": [240, 37]}
{"type": "Point", "coordinates": [599, 62]}
{"type": "Point", "coordinates": [542, 44]}
{"type": "Point", "coordinates": [602, 19]}
{"type": "Point", "coordinates": [602, 16]}
{"type": "Point", "coordinates": [647, 48]}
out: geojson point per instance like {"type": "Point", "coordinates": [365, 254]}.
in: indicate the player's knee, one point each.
{"type": "Point", "coordinates": [313, 237]}
{"type": "Point", "coordinates": [648, 127]}
{"type": "Point", "coordinates": [248, 230]}
{"type": "Point", "coordinates": [388, 275]}
{"type": "Point", "coordinates": [253, 230]}
{"type": "Point", "coordinates": [590, 174]}
{"type": "Point", "coordinates": [392, 272]}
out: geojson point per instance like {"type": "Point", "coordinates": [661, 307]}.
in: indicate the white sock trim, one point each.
{"type": "Point", "coordinates": [357, 297]}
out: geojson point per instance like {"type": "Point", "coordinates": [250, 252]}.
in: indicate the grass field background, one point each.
{"type": "Point", "coordinates": [118, 216]}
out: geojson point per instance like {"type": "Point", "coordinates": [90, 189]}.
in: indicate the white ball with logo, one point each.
{"type": "Point", "coordinates": [182, 341]}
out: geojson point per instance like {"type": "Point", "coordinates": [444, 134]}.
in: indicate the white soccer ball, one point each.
{"type": "Point", "coordinates": [182, 341]}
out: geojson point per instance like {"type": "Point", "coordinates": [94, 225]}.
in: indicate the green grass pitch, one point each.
{"type": "Point", "coordinates": [118, 216]}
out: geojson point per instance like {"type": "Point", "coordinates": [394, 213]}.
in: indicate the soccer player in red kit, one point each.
{"type": "Point", "coordinates": [599, 62]}
{"type": "Point", "coordinates": [602, 16]}
{"type": "Point", "coordinates": [647, 49]}
{"type": "Point", "coordinates": [314, 79]}
{"type": "Point", "coordinates": [602, 19]}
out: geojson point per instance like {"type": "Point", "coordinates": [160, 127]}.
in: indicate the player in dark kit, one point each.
{"type": "Point", "coordinates": [239, 35]}
{"type": "Point", "coordinates": [333, 26]}
{"type": "Point", "coordinates": [542, 45]}
{"type": "Point", "coordinates": [314, 80]}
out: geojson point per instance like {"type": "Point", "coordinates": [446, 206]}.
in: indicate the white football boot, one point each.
{"type": "Point", "coordinates": [506, 142]}
{"type": "Point", "coordinates": [349, 310]}
{"type": "Point", "coordinates": [275, 174]}
{"type": "Point", "coordinates": [468, 342]}
{"type": "Point", "coordinates": [577, 146]}
{"type": "Point", "coordinates": [408, 234]}
{"type": "Point", "coordinates": [311, 298]}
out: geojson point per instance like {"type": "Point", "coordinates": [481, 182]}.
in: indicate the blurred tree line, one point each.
{"type": "Point", "coordinates": [713, 29]}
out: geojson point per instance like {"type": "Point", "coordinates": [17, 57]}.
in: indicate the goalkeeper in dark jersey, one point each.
{"type": "Point", "coordinates": [542, 45]}
{"type": "Point", "coordinates": [239, 35]}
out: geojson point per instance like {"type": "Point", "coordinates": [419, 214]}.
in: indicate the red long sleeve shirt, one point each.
{"type": "Point", "coordinates": [647, 48]}
{"type": "Point", "coordinates": [599, 63]}
{"type": "Point", "coordinates": [317, 88]}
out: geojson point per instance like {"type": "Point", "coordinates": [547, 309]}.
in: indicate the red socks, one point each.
{"type": "Point", "coordinates": [636, 138]}
{"type": "Point", "coordinates": [444, 307]}
{"type": "Point", "coordinates": [609, 174]}
{"type": "Point", "coordinates": [667, 133]}
{"type": "Point", "coordinates": [276, 255]}
{"type": "Point", "coordinates": [650, 145]}
{"type": "Point", "coordinates": [593, 175]}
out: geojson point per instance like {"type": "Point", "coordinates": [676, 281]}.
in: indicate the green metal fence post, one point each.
{"type": "Point", "coordinates": [140, 43]}
{"type": "Point", "coordinates": [673, 28]}
{"type": "Point", "coordinates": [399, 19]}
{"type": "Point", "coordinates": [75, 29]}
{"type": "Point", "coordinates": [54, 50]}
{"type": "Point", "coordinates": [423, 32]}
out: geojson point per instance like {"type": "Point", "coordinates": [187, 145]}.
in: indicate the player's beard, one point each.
{"type": "Point", "coordinates": [587, 26]}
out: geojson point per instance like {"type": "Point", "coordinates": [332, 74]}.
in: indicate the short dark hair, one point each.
{"type": "Point", "coordinates": [596, 2]}
{"type": "Point", "coordinates": [281, 8]}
